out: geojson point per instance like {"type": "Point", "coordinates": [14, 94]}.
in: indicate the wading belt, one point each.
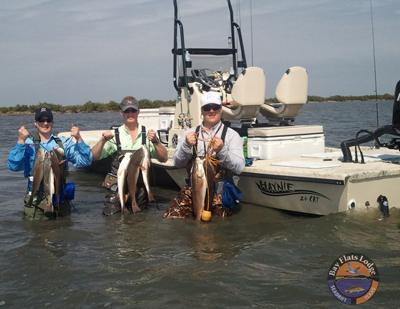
{"type": "Point", "coordinates": [118, 141]}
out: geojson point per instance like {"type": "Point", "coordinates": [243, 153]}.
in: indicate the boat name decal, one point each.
{"type": "Point", "coordinates": [283, 188]}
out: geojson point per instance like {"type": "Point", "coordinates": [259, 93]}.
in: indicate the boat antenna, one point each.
{"type": "Point", "coordinates": [251, 29]}
{"type": "Point", "coordinates": [373, 49]}
{"type": "Point", "coordinates": [239, 18]}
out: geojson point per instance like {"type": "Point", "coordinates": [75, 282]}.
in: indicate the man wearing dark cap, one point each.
{"type": "Point", "coordinates": [22, 158]}
{"type": "Point", "coordinates": [129, 137]}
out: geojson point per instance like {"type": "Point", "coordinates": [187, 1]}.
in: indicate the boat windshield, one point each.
{"type": "Point", "coordinates": [219, 64]}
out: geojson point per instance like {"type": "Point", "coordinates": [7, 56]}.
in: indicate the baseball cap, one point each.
{"type": "Point", "coordinates": [129, 102]}
{"type": "Point", "coordinates": [43, 111]}
{"type": "Point", "coordinates": [210, 98]}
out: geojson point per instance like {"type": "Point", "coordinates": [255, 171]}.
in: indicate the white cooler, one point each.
{"type": "Point", "coordinates": [285, 141]}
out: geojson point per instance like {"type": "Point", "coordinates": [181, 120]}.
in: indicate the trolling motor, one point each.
{"type": "Point", "coordinates": [393, 129]}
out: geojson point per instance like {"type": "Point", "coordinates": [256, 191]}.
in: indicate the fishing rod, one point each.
{"type": "Point", "coordinates": [373, 49]}
{"type": "Point", "coordinates": [251, 31]}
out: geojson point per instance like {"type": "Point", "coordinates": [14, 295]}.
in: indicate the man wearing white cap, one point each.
{"type": "Point", "coordinates": [226, 143]}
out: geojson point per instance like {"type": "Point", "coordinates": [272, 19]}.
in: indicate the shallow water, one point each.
{"type": "Point", "coordinates": [258, 258]}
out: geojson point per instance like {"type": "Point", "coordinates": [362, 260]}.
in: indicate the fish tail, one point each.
{"type": "Point", "coordinates": [48, 208]}
{"type": "Point", "coordinates": [135, 207]}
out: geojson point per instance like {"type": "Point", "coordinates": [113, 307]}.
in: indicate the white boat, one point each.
{"type": "Point", "coordinates": [291, 170]}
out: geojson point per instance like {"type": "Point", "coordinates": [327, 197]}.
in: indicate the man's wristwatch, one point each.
{"type": "Point", "coordinates": [156, 141]}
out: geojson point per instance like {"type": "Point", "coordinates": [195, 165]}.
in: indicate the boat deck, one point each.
{"type": "Point", "coordinates": [329, 166]}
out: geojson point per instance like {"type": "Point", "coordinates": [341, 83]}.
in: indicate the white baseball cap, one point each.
{"type": "Point", "coordinates": [211, 97]}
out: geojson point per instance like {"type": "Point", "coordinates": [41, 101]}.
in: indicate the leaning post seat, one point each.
{"type": "Point", "coordinates": [248, 93]}
{"type": "Point", "coordinates": [292, 93]}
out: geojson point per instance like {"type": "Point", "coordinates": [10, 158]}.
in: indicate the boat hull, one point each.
{"type": "Point", "coordinates": [323, 189]}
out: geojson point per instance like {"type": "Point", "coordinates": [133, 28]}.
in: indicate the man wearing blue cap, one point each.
{"type": "Point", "coordinates": [22, 158]}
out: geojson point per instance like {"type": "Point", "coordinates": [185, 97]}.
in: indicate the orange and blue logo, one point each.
{"type": "Point", "coordinates": [353, 278]}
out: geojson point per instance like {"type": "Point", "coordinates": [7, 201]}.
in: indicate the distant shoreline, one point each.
{"type": "Point", "coordinates": [91, 107]}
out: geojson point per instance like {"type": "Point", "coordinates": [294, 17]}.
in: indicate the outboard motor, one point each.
{"type": "Point", "coordinates": [396, 107]}
{"type": "Point", "coordinates": [393, 129]}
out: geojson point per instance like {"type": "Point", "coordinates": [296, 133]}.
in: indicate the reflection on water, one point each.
{"type": "Point", "coordinates": [259, 257]}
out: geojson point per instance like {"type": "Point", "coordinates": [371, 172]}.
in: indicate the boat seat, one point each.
{"type": "Point", "coordinates": [248, 94]}
{"type": "Point", "coordinates": [292, 94]}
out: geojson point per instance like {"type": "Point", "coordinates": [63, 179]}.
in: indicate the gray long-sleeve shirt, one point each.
{"type": "Point", "coordinates": [231, 155]}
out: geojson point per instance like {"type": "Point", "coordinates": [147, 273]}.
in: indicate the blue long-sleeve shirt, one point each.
{"type": "Point", "coordinates": [22, 156]}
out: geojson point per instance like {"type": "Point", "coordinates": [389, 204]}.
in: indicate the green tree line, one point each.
{"type": "Point", "coordinates": [112, 106]}
{"type": "Point", "coordinates": [339, 98]}
{"type": "Point", "coordinates": [88, 107]}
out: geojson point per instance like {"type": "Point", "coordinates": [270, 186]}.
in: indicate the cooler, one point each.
{"type": "Point", "coordinates": [285, 141]}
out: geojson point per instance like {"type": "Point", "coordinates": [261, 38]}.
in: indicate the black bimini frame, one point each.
{"type": "Point", "coordinates": [204, 51]}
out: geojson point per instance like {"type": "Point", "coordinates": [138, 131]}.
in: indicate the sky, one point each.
{"type": "Point", "coordinates": [69, 52]}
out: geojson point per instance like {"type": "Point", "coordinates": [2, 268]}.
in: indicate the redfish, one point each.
{"type": "Point", "coordinates": [48, 184]}
{"type": "Point", "coordinates": [37, 173]}
{"type": "Point", "coordinates": [199, 186]}
{"type": "Point", "coordinates": [145, 166]}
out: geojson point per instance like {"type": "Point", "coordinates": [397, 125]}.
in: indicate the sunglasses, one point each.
{"type": "Point", "coordinates": [130, 110]}
{"type": "Point", "coordinates": [41, 120]}
{"type": "Point", "coordinates": [208, 107]}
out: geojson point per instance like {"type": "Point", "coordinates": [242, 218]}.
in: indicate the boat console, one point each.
{"type": "Point", "coordinates": [242, 88]}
